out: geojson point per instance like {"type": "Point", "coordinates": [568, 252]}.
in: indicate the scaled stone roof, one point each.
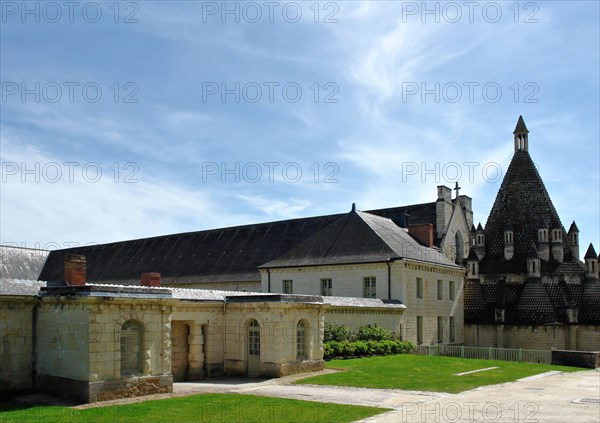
{"type": "Point", "coordinates": [524, 203]}
{"type": "Point", "coordinates": [358, 237]}
{"type": "Point", "coordinates": [21, 263]}
{"type": "Point", "coordinates": [218, 255]}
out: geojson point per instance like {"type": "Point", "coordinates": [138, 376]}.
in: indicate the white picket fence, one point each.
{"type": "Point", "coordinates": [506, 354]}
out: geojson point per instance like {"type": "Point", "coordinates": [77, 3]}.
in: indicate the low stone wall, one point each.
{"type": "Point", "coordinates": [82, 391]}
{"type": "Point", "coordinates": [586, 359]}
{"type": "Point", "coordinates": [130, 387]}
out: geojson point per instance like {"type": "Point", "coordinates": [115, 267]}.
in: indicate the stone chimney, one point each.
{"type": "Point", "coordinates": [443, 209]}
{"type": "Point", "coordinates": [150, 279]}
{"type": "Point", "coordinates": [533, 263]}
{"type": "Point", "coordinates": [75, 269]}
{"type": "Point", "coordinates": [423, 232]}
{"type": "Point", "coordinates": [467, 204]}
{"type": "Point", "coordinates": [591, 263]}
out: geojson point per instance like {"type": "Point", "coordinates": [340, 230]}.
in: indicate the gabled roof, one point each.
{"type": "Point", "coordinates": [358, 237]}
{"type": "Point", "coordinates": [217, 255]}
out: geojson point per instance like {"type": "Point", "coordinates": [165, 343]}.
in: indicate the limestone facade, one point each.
{"type": "Point", "coordinates": [397, 281]}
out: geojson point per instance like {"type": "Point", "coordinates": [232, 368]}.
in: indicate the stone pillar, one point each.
{"type": "Point", "coordinates": [195, 352]}
{"type": "Point", "coordinates": [572, 338]}
{"type": "Point", "coordinates": [500, 336]}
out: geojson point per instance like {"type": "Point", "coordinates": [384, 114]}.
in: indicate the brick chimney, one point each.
{"type": "Point", "coordinates": [423, 232]}
{"type": "Point", "coordinates": [75, 268]}
{"type": "Point", "coordinates": [150, 279]}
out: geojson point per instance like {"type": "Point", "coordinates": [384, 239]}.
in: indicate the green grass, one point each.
{"type": "Point", "coordinates": [425, 373]}
{"type": "Point", "coordinates": [220, 408]}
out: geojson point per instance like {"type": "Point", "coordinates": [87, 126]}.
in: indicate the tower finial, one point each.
{"type": "Point", "coordinates": [520, 135]}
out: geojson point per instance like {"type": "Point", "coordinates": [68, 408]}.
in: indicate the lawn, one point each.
{"type": "Point", "coordinates": [220, 408]}
{"type": "Point", "coordinates": [425, 373]}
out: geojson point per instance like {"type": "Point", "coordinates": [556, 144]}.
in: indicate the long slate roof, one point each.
{"type": "Point", "coordinates": [358, 237]}
{"type": "Point", "coordinates": [218, 255]}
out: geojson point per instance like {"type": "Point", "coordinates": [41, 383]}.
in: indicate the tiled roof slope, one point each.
{"type": "Point", "coordinates": [216, 255]}
{"type": "Point", "coordinates": [20, 287]}
{"type": "Point", "coordinates": [523, 203]}
{"type": "Point", "coordinates": [358, 237]}
{"type": "Point", "coordinates": [21, 263]}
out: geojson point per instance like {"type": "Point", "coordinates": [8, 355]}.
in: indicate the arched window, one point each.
{"type": "Point", "coordinates": [458, 248]}
{"type": "Point", "coordinates": [301, 349]}
{"type": "Point", "coordinates": [131, 348]}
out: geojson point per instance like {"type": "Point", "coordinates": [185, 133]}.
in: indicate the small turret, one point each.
{"type": "Point", "coordinates": [533, 263]}
{"type": "Point", "coordinates": [472, 265]}
{"type": "Point", "coordinates": [557, 244]}
{"type": "Point", "coordinates": [521, 136]}
{"type": "Point", "coordinates": [480, 242]}
{"type": "Point", "coordinates": [543, 246]}
{"type": "Point", "coordinates": [509, 249]}
{"type": "Point", "coordinates": [472, 236]}
{"type": "Point", "coordinates": [591, 263]}
{"type": "Point", "coordinates": [573, 236]}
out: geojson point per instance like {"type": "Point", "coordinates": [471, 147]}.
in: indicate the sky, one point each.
{"type": "Point", "coordinates": [125, 120]}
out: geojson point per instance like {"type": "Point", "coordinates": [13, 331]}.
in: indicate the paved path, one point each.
{"type": "Point", "coordinates": [548, 398]}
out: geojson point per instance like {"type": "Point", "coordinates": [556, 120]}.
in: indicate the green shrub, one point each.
{"type": "Point", "coordinates": [348, 349]}
{"type": "Point", "coordinates": [373, 333]}
{"type": "Point", "coordinates": [337, 333]}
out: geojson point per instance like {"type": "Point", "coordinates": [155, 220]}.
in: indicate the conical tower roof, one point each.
{"type": "Point", "coordinates": [521, 127]}
{"type": "Point", "coordinates": [524, 203]}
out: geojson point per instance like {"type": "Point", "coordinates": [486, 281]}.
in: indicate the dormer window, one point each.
{"type": "Point", "coordinates": [543, 235]}
{"type": "Point", "coordinates": [556, 235]}
{"type": "Point", "coordinates": [508, 237]}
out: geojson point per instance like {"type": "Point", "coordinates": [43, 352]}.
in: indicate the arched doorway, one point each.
{"type": "Point", "coordinates": [253, 348]}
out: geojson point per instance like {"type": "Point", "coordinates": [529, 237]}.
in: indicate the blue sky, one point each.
{"type": "Point", "coordinates": [209, 114]}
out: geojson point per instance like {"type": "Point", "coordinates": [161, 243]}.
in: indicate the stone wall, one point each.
{"type": "Point", "coordinates": [542, 337]}
{"type": "Point", "coordinates": [278, 322]}
{"type": "Point", "coordinates": [355, 317]}
{"type": "Point", "coordinates": [347, 281]}
{"type": "Point", "coordinates": [78, 346]}
{"type": "Point", "coordinates": [16, 343]}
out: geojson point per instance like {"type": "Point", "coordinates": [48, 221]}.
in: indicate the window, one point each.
{"type": "Point", "coordinates": [440, 329]}
{"type": "Point", "coordinates": [131, 348]}
{"type": "Point", "coordinates": [326, 287]}
{"type": "Point", "coordinates": [254, 338]}
{"type": "Point", "coordinates": [288, 286]}
{"type": "Point", "coordinates": [452, 329]}
{"type": "Point", "coordinates": [301, 340]}
{"type": "Point", "coordinates": [451, 294]}
{"type": "Point", "coordinates": [369, 287]}
{"type": "Point", "coordinates": [419, 288]}
{"type": "Point", "coordinates": [419, 330]}
{"type": "Point", "coordinates": [440, 290]}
